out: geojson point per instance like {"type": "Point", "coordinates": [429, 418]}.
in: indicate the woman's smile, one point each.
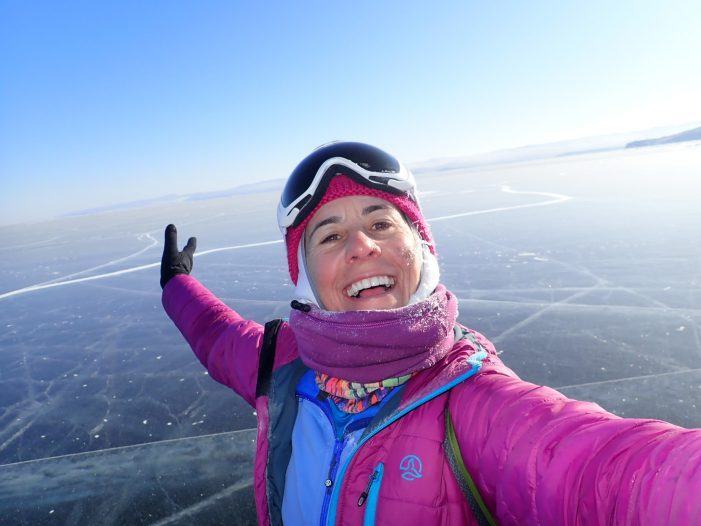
{"type": "Point", "coordinates": [370, 286]}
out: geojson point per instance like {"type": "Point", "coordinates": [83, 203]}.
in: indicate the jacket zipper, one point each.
{"type": "Point", "coordinates": [339, 444]}
{"type": "Point", "coordinates": [337, 448]}
{"type": "Point", "coordinates": [476, 361]}
{"type": "Point", "coordinates": [371, 495]}
{"type": "Point", "coordinates": [364, 494]}
{"type": "Point", "coordinates": [330, 481]}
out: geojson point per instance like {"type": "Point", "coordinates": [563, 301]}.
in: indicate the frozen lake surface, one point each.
{"type": "Point", "coordinates": [585, 271]}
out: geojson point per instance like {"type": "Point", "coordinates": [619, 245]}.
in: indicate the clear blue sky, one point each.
{"type": "Point", "coordinates": [105, 102]}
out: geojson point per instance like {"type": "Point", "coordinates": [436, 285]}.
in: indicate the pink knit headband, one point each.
{"type": "Point", "coordinates": [342, 186]}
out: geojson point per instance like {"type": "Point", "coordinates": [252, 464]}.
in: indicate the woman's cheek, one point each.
{"type": "Point", "coordinates": [410, 255]}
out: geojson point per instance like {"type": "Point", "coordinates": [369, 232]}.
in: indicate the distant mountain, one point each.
{"type": "Point", "coordinates": [270, 185]}
{"type": "Point", "coordinates": [688, 135]}
{"type": "Point", "coordinates": [513, 155]}
{"type": "Point", "coordinates": [585, 145]}
{"type": "Point", "coordinates": [141, 203]}
{"type": "Point", "coordinates": [244, 189]}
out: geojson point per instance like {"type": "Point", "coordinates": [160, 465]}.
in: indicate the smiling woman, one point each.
{"type": "Point", "coordinates": [376, 406]}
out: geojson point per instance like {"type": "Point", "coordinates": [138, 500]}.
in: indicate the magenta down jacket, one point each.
{"type": "Point", "coordinates": [537, 457]}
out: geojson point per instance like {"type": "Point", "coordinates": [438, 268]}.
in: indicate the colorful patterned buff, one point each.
{"type": "Point", "coordinates": [354, 397]}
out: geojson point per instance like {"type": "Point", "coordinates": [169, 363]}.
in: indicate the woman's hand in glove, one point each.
{"type": "Point", "coordinates": [173, 261]}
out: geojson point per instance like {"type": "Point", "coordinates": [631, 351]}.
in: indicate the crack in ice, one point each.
{"type": "Point", "coordinates": [141, 444]}
{"type": "Point", "coordinates": [626, 379]}
{"type": "Point", "coordinates": [556, 198]}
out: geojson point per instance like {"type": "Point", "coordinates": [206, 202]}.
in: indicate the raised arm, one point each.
{"type": "Point", "coordinates": [226, 344]}
{"type": "Point", "coordinates": [540, 458]}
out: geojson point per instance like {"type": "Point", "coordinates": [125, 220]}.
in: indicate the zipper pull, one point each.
{"type": "Point", "coordinates": [364, 495]}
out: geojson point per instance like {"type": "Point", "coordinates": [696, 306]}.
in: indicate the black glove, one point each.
{"type": "Point", "coordinates": [174, 262]}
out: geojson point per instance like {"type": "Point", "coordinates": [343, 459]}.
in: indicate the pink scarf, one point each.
{"type": "Point", "coordinates": [371, 346]}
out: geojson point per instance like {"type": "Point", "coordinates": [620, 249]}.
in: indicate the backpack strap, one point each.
{"type": "Point", "coordinates": [457, 465]}
{"type": "Point", "coordinates": [462, 333]}
{"type": "Point", "coordinates": [267, 357]}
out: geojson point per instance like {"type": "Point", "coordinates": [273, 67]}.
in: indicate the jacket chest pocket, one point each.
{"type": "Point", "coordinates": [406, 483]}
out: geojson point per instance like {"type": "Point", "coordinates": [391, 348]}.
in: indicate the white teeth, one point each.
{"type": "Point", "coordinates": [366, 283]}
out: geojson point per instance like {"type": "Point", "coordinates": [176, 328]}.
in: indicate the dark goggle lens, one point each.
{"type": "Point", "coordinates": [364, 155]}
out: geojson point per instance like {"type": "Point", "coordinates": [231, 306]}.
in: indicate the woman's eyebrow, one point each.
{"type": "Point", "coordinates": [327, 221]}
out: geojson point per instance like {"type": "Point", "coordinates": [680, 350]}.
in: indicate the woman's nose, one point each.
{"type": "Point", "coordinates": [361, 245]}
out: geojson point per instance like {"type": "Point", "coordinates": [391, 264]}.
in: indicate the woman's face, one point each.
{"type": "Point", "coordinates": [362, 255]}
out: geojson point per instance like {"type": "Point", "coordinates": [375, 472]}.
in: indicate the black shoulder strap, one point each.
{"type": "Point", "coordinates": [267, 357]}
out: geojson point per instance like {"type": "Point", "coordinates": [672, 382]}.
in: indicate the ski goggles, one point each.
{"type": "Point", "coordinates": [363, 163]}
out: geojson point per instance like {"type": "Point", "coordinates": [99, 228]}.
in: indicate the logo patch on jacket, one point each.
{"type": "Point", "coordinates": [411, 468]}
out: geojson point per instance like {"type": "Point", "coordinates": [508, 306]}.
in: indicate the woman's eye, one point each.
{"type": "Point", "coordinates": [381, 225]}
{"type": "Point", "coordinates": [329, 238]}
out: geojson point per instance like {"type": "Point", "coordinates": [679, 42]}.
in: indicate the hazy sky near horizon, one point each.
{"type": "Point", "coordinates": [106, 102]}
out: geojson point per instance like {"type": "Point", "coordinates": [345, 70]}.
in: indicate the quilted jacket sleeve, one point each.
{"type": "Point", "coordinates": [226, 344]}
{"type": "Point", "coordinates": [540, 458]}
